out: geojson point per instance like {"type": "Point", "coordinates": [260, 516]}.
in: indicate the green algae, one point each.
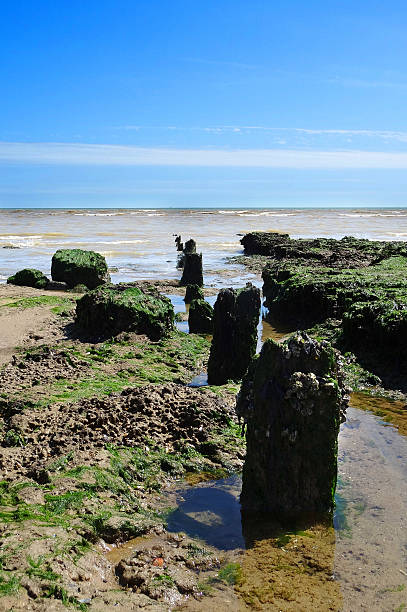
{"type": "Point", "coordinates": [111, 309]}
{"type": "Point", "coordinates": [29, 277]}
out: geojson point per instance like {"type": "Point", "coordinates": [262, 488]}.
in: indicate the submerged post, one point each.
{"type": "Point", "coordinates": [293, 399]}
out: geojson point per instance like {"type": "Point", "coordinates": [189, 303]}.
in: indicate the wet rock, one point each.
{"type": "Point", "coordinates": [235, 319]}
{"type": "Point", "coordinates": [200, 317]}
{"type": "Point", "coordinates": [348, 252]}
{"type": "Point", "coordinates": [369, 304]}
{"type": "Point", "coordinates": [262, 243]}
{"type": "Point", "coordinates": [193, 271]}
{"type": "Point", "coordinates": [111, 309]}
{"type": "Point", "coordinates": [121, 528]}
{"type": "Point", "coordinates": [193, 292]}
{"type": "Point", "coordinates": [293, 400]}
{"type": "Point", "coordinates": [78, 289]}
{"type": "Point", "coordinates": [29, 277]}
{"type": "Point", "coordinates": [167, 570]}
{"type": "Point", "coordinates": [76, 266]}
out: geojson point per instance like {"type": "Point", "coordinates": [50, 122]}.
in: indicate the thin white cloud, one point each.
{"type": "Point", "coordinates": [381, 134]}
{"type": "Point", "coordinates": [118, 155]}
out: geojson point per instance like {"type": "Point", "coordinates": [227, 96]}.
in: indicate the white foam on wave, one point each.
{"type": "Point", "coordinates": [374, 214]}
{"type": "Point", "coordinates": [110, 242]}
{"type": "Point", "coordinates": [266, 214]}
{"type": "Point", "coordinates": [88, 214]}
{"type": "Point", "coordinates": [20, 237]}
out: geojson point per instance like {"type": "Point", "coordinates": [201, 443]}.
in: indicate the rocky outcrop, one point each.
{"type": "Point", "coordinates": [235, 319]}
{"type": "Point", "coordinates": [29, 277]}
{"type": "Point", "coordinates": [111, 309]}
{"type": "Point", "coordinates": [79, 267]}
{"type": "Point", "coordinates": [200, 317]}
{"type": "Point", "coordinates": [368, 303]}
{"type": "Point", "coordinates": [293, 400]}
{"type": "Point", "coordinates": [176, 558]}
{"type": "Point", "coordinates": [193, 292]}
{"type": "Point", "coordinates": [193, 271]}
{"type": "Point", "coordinates": [348, 252]}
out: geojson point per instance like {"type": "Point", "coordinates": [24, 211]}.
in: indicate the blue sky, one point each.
{"type": "Point", "coordinates": [215, 103]}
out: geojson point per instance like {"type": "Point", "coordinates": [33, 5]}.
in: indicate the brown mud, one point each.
{"type": "Point", "coordinates": [390, 410]}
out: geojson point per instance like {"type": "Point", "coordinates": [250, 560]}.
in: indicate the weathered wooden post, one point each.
{"type": "Point", "coordinates": [293, 400]}
{"type": "Point", "coordinates": [235, 320]}
{"type": "Point", "coordinates": [193, 271]}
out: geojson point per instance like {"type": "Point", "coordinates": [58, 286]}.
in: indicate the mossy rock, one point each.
{"type": "Point", "coordinates": [200, 317]}
{"type": "Point", "coordinates": [79, 267]}
{"type": "Point", "coordinates": [111, 309]}
{"type": "Point", "coordinates": [305, 295]}
{"type": "Point", "coordinates": [193, 292]}
{"type": "Point", "coordinates": [29, 277]}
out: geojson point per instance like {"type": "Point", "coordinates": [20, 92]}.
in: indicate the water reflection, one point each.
{"type": "Point", "coordinates": [211, 512]}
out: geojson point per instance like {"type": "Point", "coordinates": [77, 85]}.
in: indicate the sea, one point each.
{"type": "Point", "coordinates": [139, 243]}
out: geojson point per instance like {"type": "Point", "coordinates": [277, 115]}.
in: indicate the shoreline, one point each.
{"type": "Point", "coordinates": [82, 476]}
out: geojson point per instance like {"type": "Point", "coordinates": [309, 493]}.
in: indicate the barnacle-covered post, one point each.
{"type": "Point", "coordinates": [293, 400]}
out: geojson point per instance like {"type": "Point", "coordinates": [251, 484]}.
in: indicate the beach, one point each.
{"type": "Point", "coordinates": [67, 432]}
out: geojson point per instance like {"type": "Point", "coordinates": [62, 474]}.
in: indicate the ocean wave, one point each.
{"type": "Point", "coordinates": [392, 214]}
{"type": "Point", "coordinates": [227, 245]}
{"type": "Point", "coordinates": [109, 242]}
{"type": "Point", "coordinates": [87, 214]}
{"type": "Point", "coordinates": [229, 212]}
{"type": "Point", "coordinates": [266, 214]}
{"type": "Point", "coordinates": [20, 236]}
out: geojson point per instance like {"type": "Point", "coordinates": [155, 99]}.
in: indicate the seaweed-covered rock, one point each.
{"type": "Point", "coordinates": [235, 319]}
{"type": "Point", "coordinates": [29, 277]}
{"type": "Point", "coordinates": [200, 317]}
{"type": "Point", "coordinates": [262, 243]}
{"type": "Point", "coordinates": [193, 272]}
{"type": "Point", "coordinates": [293, 400]}
{"type": "Point", "coordinates": [304, 295]}
{"type": "Point", "coordinates": [348, 252]}
{"type": "Point", "coordinates": [79, 267]}
{"type": "Point", "coordinates": [111, 309]}
{"type": "Point", "coordinates": [378, 325]}
{"type": "Point", "coordinates": [193, 292]}
{"type": "Point", "coordinates": [369, 305]}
